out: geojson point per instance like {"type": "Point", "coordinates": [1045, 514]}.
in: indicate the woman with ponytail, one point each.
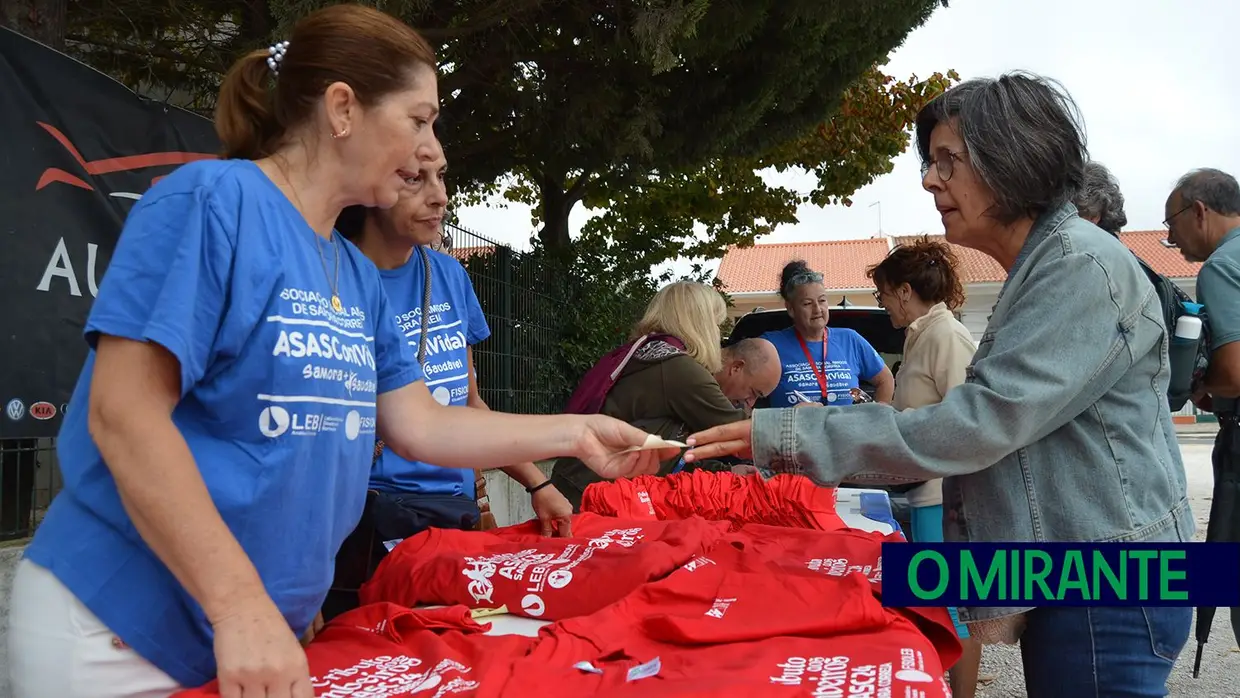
{"type": "Point", "coordinates": [243, 361]}
{"type": "Point", "coordinates": [918, 285]}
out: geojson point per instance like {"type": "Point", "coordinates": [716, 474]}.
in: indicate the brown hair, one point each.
{"type": "Point", "coordinates": [927, 266]}
{"type": "Point", "coordinates": [370, 51]}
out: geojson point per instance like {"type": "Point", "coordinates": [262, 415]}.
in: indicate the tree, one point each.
{"type": "Point", "coordinates": [658, 111]}
{"type": "Point", "coordinates": [41, 20]}
{"type": "Point", "coordinates": [599, 101]}
{"type": "Point", "coordinates": [172, 51]}
{"type": "Point", "coordinates": [656, 218]}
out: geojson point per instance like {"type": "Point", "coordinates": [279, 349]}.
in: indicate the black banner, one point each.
{"type": "Point", "coordinates": [78, 149]}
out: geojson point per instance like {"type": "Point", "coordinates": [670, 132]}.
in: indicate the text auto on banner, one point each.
{"type": "Point", "coordinates": [80, 148]}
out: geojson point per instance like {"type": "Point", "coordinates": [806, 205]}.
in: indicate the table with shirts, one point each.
{"type": "Point", "coordinates": [859, 508]}
{"type": "Point", "coordinates": [664, 604]}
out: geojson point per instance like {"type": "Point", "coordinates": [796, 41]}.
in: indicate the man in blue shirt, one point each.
{"type": "Point", "coordinates": [441, 329]}
{"type": "Point", "coordinates": [1203, 220]}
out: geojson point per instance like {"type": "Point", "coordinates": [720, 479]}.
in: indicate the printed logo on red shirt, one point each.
{"type": "Point", "coordinates": [385, 676]}
{"type": "Point", "coordinates": [838, 567]}
{"type": "Point", "coordinates": [544, 570]}
{"type": "Point", "coordinates": [836, 677]}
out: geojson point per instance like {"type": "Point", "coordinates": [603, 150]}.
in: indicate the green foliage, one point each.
{"type": "Point", "coordinates": [658, 111]}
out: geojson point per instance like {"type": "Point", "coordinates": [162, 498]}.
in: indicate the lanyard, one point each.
{"type": "Point", "coordinates": [821, 375]}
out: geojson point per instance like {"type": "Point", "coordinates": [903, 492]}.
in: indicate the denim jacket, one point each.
{"type": "Point", "coordinates": [1061, 431]}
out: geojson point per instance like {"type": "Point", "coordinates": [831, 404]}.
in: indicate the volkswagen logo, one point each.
{"type": "Point", "coordinates": [15, 410]}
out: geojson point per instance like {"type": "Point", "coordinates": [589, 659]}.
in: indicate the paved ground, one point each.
{"type": "Point", "coordinates": [1220, 664]}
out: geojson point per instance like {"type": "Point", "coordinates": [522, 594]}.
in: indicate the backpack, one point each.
{"type": "Point", "coordinates": [1188, 363]}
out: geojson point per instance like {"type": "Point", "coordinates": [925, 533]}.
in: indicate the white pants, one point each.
{"type": "Point", "coordinates": [59, 649]}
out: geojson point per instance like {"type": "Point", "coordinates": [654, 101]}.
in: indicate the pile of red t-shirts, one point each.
{"type": "Point", "coordinates": [729, 624]}
{"type": "Point", "coordinates": [784, 500]}
{"type": "Point", "coordinates": [388, 650]}
{"type": "Point", "coordinates": [534, 576]}
{"type": "Point", "coordinates": [644, 609]}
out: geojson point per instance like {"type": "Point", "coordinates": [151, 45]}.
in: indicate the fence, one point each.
{"type": "Point", "coordinates": [516, 367]}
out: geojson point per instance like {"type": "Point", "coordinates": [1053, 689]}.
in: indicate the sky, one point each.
{"type": "Point", "coordinates": [1154, 81]}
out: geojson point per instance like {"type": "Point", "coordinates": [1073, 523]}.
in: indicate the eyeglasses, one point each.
{"type": "Point", "coordinates": [944, 164]}
{"type": "Point", "coordinates": [1167, 223]}
{"type": "Point", "coordinates": [878, 298]}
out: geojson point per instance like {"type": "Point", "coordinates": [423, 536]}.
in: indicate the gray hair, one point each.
{"type": "Point", "coordinates": [1100, 197]}
{"type": "Point", "coordinates": [1214, 188]}
{"type": "Point", "coordinates": [750, 351]}
{"type": "Point", "coordinates": [1024, 137]}
{"type": "Point", "coordinates": [796, 273]}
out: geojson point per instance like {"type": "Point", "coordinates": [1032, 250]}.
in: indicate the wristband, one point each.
{"type": "Point", "coordinates": [535, 488]}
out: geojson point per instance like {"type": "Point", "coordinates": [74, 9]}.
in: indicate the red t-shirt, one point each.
{"type": "Point", "coordinates": [584, 525]}
{"type": "Point", "coordinates": [787, 551]}
{"type": "Point", "coordinates": [544, 578]}
{"type": "Point", "coordinates": [715, 629]}
{"type": "Point", "coordinates": [385, 650]}
{"type": "Point", "coordinates": [784, 500]}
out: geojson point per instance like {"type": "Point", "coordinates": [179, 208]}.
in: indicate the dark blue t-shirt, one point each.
{"type": "Point", "coordinates": [277, 404]}
{"type": "Point", "coordinates": [455, 323]}
{"type": "Point", "coordinates": [849, 360]}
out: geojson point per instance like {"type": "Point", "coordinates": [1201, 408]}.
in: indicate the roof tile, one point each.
{"type": "Point", "coordinates": [843, 262]}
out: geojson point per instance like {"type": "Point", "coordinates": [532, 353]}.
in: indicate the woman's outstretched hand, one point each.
{"type": "Point", "coordinates": [726, 440]}
{"type": "Point", "coordinates": [604, 444]}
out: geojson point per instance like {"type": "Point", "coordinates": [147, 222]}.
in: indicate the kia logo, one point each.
{"type": "Point", "coordinates": [43, 410]}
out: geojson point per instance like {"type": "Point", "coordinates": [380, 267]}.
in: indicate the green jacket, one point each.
{"type": "Point", "coordinates": [662, 391]}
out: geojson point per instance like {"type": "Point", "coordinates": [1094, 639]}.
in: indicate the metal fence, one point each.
{"type": "Point", "coordinates": [29, 478]}
{"type": "Point", "coordinates": [516, 368]}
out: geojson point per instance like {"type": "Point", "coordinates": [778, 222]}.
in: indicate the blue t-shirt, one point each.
{"type": "Point", "coordinates": [1218, 288]}
{"type": "Point", "coordinates": [277, 403]}
{"type": "Point", "coordinates": [456, 322]}
{"type": "Point", "coordinates": [849, 360]}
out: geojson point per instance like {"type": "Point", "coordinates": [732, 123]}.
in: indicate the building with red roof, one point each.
{"type": "Point", "coordinates": [751, 274]}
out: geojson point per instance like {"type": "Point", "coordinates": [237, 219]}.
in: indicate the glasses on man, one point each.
{"type": "Point", "coordinates": [1167, 222]}
{"type": "Point", "coordinates": [944, 164]}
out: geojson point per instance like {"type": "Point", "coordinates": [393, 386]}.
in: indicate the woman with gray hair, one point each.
{"type": "Point", "coordinates": [1099, 199]}
{"type": "Point", "coordinates": [1061, 431]}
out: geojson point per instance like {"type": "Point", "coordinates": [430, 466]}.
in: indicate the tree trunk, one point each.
{"type": "Point", "coordinates": [556, 205]}
{"type": "Point", "coordinates": [41, 20]}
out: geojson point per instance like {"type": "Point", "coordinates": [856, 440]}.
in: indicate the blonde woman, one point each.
{"type": "Point", "coordinates": [664, 377]}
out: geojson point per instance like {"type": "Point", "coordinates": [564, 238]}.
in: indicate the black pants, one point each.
{"type": "Point", "coordinates": [389, 517]}
{"type": "Point", "coordinates": [1224, 526]}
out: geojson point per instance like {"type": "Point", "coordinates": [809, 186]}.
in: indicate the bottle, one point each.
{"type": "Point", "coordinates": [1182, 353]}
{"type": "Point", "coordinates": [1188, 328]}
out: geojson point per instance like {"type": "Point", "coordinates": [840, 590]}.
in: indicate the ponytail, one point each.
{"type": "Point", "coordinates": [245, 118]}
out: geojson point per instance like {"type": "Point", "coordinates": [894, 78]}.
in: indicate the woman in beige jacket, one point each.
{"type": "Point", "coordinates": [918, 285]}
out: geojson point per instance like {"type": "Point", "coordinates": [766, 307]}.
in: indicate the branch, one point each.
{"type": "Point", "coordinates": [151, 51]}
{"type": "Point", "coordinates": [488, 18]}
{"type": "Point", "coordinates": [577, 191]}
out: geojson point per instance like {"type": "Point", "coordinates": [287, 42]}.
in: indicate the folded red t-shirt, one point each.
{"type": "Point", "coordinates": [584, 525]}
{"type": "Point", "coordinates": [801, 552]}
{"type": "Point", "coordinates": [386, 650]}
{"type": "Point", "coordinates": [544, 578]}
{"type": "Point", "coordinates": [784, 500]}
{"type": "Point", "coordinates": [711, 629]}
